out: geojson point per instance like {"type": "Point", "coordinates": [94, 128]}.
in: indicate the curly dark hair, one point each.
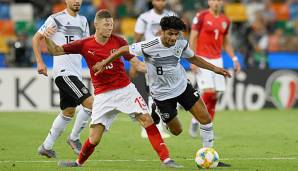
{"type": "Point", "coordinates": [172, 22]}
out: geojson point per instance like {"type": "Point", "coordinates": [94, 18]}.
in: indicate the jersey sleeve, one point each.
{"type": "Point", "coordinates": [136, 49]}
{"type": "Point", "coordinates": [140, 26]}
{"type": "Point", "coordinates": [87, 30]}
{"type": "Point", "coordinates": [48, 23]}
{"type": "Point", "coordinates": [228, 27]}
{"type": "Point", "coordinates": [123, 42]}
{"type": "Point", "coordinates": [187, 52]}
{"type": "Point", "coordinates": [74, 47]}
{"type": "Point", "coordinates": [197, 22]}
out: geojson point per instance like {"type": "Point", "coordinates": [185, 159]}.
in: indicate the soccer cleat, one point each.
{"type": "Point", "coordinates": [68, 164]}
{"type": "Point", "coordinates": [44, 152]}
{"type": "Point", "coordinates": [222, 164]}
{"type": "Point", "coordinates": [76, 145]}
{"type": "Point", "coordinates": [154, 114]}
{"type": "Point", "coordinates": [172, 164]}
{"type": "Point", "coordinates": [193, 130]}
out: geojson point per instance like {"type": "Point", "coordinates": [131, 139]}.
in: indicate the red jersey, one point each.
{"type": "Point", "coordinates": [114, 76]}
{"type": "Point", "coordinates": [212, 31]}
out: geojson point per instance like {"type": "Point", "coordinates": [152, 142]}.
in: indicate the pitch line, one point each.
{"type": "Point", "coordinates": [141, 160]}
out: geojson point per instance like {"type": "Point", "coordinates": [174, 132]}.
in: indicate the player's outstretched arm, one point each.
{"type": "Point", "coordinates": [53, 48]}
{"type": "Point", "coordinates": [138, 65]}
{"type": "Point", "coordinates": [100, 66]}
{"type": "Point", "coordinates": [196, 60]}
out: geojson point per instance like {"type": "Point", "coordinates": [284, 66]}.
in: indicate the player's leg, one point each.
{"type": "Point", "coordinates": [210, 95]}
{"type": "Point", "coordinates": [160, 125]}
{"type": "Point", "coordinates": [205, 81]}
{"type": "Point", "coordinates": [102, 117]}
{"type": "Point", "coordinates": [199, 111]}
{"type": "Point", "coordinates": [83, 115]}
{"type": "Point", "coordinates": [190, 100]}
{"type": "Point", "coordinates": [68, 106]}
{"type": "Point", "coordinates": [95, 135]}
{"type": "Point", "coordinates": [168, 113]}
{"type": "Point", "coordinates": [132, 103]}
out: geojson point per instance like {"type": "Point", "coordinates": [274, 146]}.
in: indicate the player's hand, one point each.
{"type": "Point", "coordinates": [237, 66]}
{"type": "Point", "coordinates": [99, 67]}
{"type": "Point", "coordinates": [50, 31]}
{"type": "Point", "coordinates": [42, 69]}
{"type": "Point", "coordinates": [222, 72]}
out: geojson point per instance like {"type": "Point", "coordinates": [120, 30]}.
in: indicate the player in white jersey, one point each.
{"type": "Point", "coordinates": [147, 26]}
{"type": "Point", "coordinates": [167, 79]}
{"type": "Point", "coordinates": [67, 72]}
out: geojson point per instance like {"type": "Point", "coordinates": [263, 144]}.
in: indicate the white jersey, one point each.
{"type": "Point", "coordinates": [148, 23]}
{"type": "Point", "coordinates": [166, 76]}
{"type": "Point", "coordinates": [69, 28]}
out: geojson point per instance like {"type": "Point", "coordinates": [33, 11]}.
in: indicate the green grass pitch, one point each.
{"type": "Point", "coordinates": [264, 140]}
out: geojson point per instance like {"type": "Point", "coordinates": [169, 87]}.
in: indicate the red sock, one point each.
{"type": "Point", "coordinates": [210, 100]}
{"type": "Point", "coordinates": [86, 151]}
{"type": "Point", "coordinates": [157, 142]}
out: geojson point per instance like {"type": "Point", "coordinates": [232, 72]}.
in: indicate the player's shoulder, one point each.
{"type": "Point", "coordinates": [59, 14]}
{"type": "Point", "coordinates": [82, 18]}
{"type": "Point", "coordinates": [87, 40]}
{"type": "Point", "coordinates": [224, 17]}
{"type": "Point", "coordinates": [118, 37]}
{"type": "Point", "coordinates": [145, 15]}
{"type": "Point", "coordinates": [170, 13]}
{"type": "Point", "coordinates": [151, 43]}
{"type": "Point", "coordinates": [181, 41]}
{"type": "Point", "coordinates": [202, 14]}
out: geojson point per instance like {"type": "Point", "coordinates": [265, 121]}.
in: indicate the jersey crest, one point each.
{"type": "Point", "coordinates": [224, 25]}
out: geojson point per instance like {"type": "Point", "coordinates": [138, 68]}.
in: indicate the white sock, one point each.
{"type": "Point", "coordinates": [194, 121]}
{"type": "Point", "coordinates": [207, 135]}
{"type": "Point", "coordinates": [58, 127]}
{"type": "Point", "coordinates": [81, 122]}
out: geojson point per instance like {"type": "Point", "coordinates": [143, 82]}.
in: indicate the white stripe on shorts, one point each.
{"type": "Point", "coordinates": [72, 86]}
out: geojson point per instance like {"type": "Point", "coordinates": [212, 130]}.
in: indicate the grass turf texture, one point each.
{"type": "Point", "coordinates": [261, 140]}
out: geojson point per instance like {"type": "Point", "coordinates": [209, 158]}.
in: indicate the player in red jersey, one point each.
{"type": "Point", "coordinates": [208, 36]}
{"type": "Point", "coordinates": [114, 91]}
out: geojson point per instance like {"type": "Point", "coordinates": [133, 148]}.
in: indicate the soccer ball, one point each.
{"type": "Point", "coordinates": [207, 158]}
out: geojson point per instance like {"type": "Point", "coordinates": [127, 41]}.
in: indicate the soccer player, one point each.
{"type": "Point", "coordinates": [114, 91]}
{"type": "Point", "coordinates": [167, 79]}
{"type": "Point", "coordinates": [147, 26]}
{"type": "Point", "coordinates": [67, 72]}
{"type": "Point", "coordinates": [208, 35]}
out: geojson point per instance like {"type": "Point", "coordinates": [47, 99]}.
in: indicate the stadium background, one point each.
{"type": "Point", "coordinates": [264, 34]}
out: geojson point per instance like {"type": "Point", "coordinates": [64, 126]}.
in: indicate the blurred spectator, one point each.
{"type": "Point", "coordinates": [275, 40]}
{"type": "Point", "coordinates": [258, 39]}
{"type": "Point", "coordinates": [20, 52]}
{"type": "Point", "coordinates": [268, 15]}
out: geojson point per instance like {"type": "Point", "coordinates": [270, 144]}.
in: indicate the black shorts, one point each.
{"type": "Point", "coordinates": [167, 108]}
{"type": "Point", "coordinates": [72, 91]}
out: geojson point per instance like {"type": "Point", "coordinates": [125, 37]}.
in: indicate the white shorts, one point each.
{"type": "Point", "coordinates": [207, 79]}
{"type": "Point", "coordinates": [107, 105]}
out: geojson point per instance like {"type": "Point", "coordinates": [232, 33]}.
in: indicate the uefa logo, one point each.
{"type": "Point", "coordinates": [282, 89]}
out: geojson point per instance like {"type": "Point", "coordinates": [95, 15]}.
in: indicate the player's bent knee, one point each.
{"type": "Point", "coordinates": [176, 131]}
{"type": "Point", "coordinates": [87, 103]}
{"type": "Point", "coordinates": [69, 112]}
{"type": "Point", "coordinates": [205, 120]}
{"type": "Point", "coordinates": [96, 132]}
{"type": "Point", "coordinates": [144, 119]}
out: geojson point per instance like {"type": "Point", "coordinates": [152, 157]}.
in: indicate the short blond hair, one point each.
{"type": "Point", "coordinates": [104, 13]}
